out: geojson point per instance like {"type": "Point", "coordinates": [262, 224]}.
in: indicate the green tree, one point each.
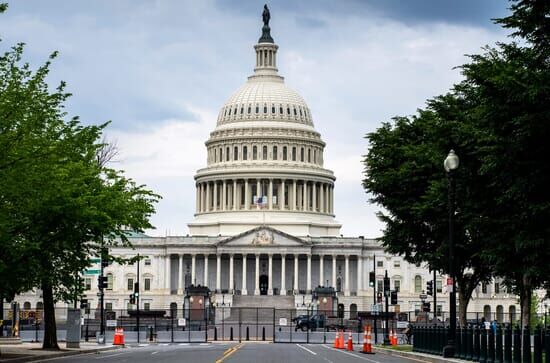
{"type": "Point", "coordinates": [58, 201]}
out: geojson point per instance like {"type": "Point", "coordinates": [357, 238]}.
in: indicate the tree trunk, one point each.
{"type": "Point", "coordinates": [50, 329]}
{"type": "Point", "coordinates": [1, 313]}
{"type": "Point", "coordinates": [463, 307]}
{"type": "Point", "coordinates": [526, 294]}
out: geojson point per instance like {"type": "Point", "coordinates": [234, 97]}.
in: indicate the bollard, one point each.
{"type": "Point", "coordinates": [477, 345]}
{"type": "Point", "coordinates": [150, 333]}
{"type": "Point", "coordinates": [247, 334]}
{"type": "Point", "coordinates": [231, 334]}
{"type": "Point", "coordinates": [215, 333]}
{"type": "Point", "coordinates": [483, 350]}
{"type": "Point", "coordinates": [263, 334]}
{"type": "Point", "coordinates": [526, 345]}
{"type": "Point", "coordinates": [517, 345]}
{"type": "Point", "coordinates": [537, 350]}
{"type": "Point", "coordinates": [491, 346]}
{"type": "Point", "coordinates": [470, 343]}
{"type": "Point", "coordinates": [547, 346]}
{"type": "Point", "coordinates": [498, 345]}
{"type": "Point", "coordinates": [463, 342]}
{"type": "Point", "coordinates": [508, 344]}
{"type": "Point", "coordinates": [458, 342]}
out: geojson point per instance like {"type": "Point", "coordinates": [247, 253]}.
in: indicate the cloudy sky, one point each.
{"type": "Point", "coordinates": [160, 71]}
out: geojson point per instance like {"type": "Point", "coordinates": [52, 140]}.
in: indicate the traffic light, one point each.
{"type": "Point", "coordinates": [84, 303]}
{"type": "Point", "coordinates": [386, 285]}
{"type": "Point", "coordinates": [430, 287]}
{"type": "Point", "coordinates": [426, 307]}
{"type": "Point", "coordinates": [372, 279]}
{"type": "Point", "coordinates": [394, 297]}
{"type": "Point", "coordinates": [102, 282]}
{"type": "Point", "coordinates": [132, 299]}
{"type": "Point", "coordinates": [105, 258]}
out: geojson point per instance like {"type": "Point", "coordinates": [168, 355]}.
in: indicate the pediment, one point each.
{"type": "Point", "coordinates": [263, 236]}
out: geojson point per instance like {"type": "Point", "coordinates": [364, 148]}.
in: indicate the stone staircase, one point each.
{"type": "Point", "coordinates": [260, 308]}
{"type": "Point", "coordinates": [10, 340]}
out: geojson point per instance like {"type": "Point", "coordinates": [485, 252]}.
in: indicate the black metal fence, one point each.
{"type": "Point", "coordinates": [476, 343]}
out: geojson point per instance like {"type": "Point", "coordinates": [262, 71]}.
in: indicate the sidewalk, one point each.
{"type": "Point", "coordinates": [418, 356]}
{"type": "Point", "coordinates": [28, 352]}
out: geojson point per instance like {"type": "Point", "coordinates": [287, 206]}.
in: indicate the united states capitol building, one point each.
{"type": "Point", "coordinates": [265, 231]}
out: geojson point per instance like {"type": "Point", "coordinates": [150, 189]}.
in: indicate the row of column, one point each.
{"type": "Point", "coordinates": [269, 272]}
{"type": "Point", "coordinates": [280, 194]}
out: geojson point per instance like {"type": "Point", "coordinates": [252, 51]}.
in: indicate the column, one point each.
{"type": "Point", "coordinates": [327, 201]}
{"type": "Point", "coordinates": [331, 200]}
{"type": "Point", "coordinates": [334, 271]}
{"type": "Point", "coordinates": [218, 272]}
{"type": "Point", "coordinates": [270, 274]}
{"type": "Point", "coordinates": [205, 282]}
{"type": "Point", "coordinates": [308, 288]}
{"type": "Point", "coordinates": [322, 198]}
{"type": "Point", "coordinates": [270, 194]}
{"type": "Point", "coordinates": [193, 270]}
{"type": "Point", "coordinates": [294, 195]}
{"type": "Point", "coordinates": [207, 197]}
{"type": "Point", "coordinates": [224, 195]}
{"type": "Point", "coordinates": [246, 195]}
{"type": "Point", "coordinates": [296, 287]}
{"type": "Point", "coordinates": [314, 197]}
{"type": "Point", "coordinates": [257, 276]}
{"type": "Point", "coordinates": [304, 196]}
{"type": "Point", "coordinates": [282, 195]}
{"type": "Point", "coordinates": [243, 289]}
{"type": "Point", "coordinates": [180, 275]}
{"type": "Point", "coordinates": [235, 194]}
{"type": "Point", "coordinates": [283, 273]}
{"type": "Point", "coordinates": [321, 270]}
{"type": "Point", "coordinates": [346, 278]}
{"type": "Point", "coordinates": [359, 273]}
{"type": "Point", "coordinates": [197, 198]}
{"type": "Point", "coordinates": [258, 193]}
{"type": "Point", "coordinates": [231, 260]}
{"type": "Point", "coordinates": [167, 272]}
{"type": "Point", "coordinates": [201, 186]}
{"type": "Point", "coordinates": [215, 199]}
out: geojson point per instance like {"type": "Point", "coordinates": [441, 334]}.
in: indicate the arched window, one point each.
{"type": "Point", "coordinates": [264, 153]}
{"type": "Point", "coordinates": [245, 153]}
{"type": "Point", "coordinates": [215, 155]}
{"type": "Point", "coordinates": [500, 313]}
{"type": "Point", "coordinates": [227, 153]}
{"type": "Point", "coordinates": [274, 152]}
{"type": "Point", "coordinates": [110, 281]}
{"type": "Point", "coordinates": [284, 152]}
{"type": "Point", "coordinates": [273, 109]}
{"type": "Point", "coordinates": [512, 313]}
{"type": "Point", "coordinates": [40, 305]}
{"type": "Point", "coordinates": [288, 111]}
{"type": "Point", "coordinates": [26, 305]}
{"type": "Point", "coordinates": [235, 112]}
{"type": "Point", "coordinates": [302, 154]}
{"type": "Point", "coordinates": [236, 153]}
{"type": "Point", "coordinates": [229, 114]}
{"type": "Point", "coordinates": [309, 155]}
{"type": "Point", "coordinates": [353, 311]}
{"type": "Point", "coordinates": [249, 109]}
{"type": "Point", "coordinates": [295, 114]}
{"type": "Point", "coordinates": [221, 157]}
{"type": "Point", "coordinates": [487, 312]}
{"type": "Point", "coordinates": [281, 110]}
{"type": "Point", "coordinates": [254, 152]}
{"type": "Point", "coordinates": [294, 153]}
{"type": "Point", "coordinates": [242, 110]}
{"type": "Point", "coordinates": [484, 287]}
{"type": "Point", "coordinates": [265, 109]}
{"type": "Point", "coordinates": [418, 284]}
{"type": "Point", "coordinates": [257, 109]}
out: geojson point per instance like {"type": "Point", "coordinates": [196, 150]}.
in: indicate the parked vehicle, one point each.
{"type": "Point", "coordinates": [308, 322]}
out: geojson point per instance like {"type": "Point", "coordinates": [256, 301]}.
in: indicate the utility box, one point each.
{"type": "Point", "coordinates": [73, 328]}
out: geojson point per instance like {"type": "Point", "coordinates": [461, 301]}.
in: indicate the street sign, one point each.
{"type": "Point", "coordinates": [423, 296]}
{"type": "Point", "coordinates": [91, 272]}
{"type": "Point", "coordinates": [181, 322]}
{"type": "Point", "coordinates": [95, 260]}
{"type": "Point", "coordinates": [374, 309]}
{"type": "Point", "coordinates": [111, 323]}
{"type": "Point", "coordinates": [283, 322]}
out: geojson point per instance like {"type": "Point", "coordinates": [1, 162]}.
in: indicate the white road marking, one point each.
{"type": "Point", "coordinates": [155, 352]}
{"type": "Point", "coordinates": [307, 350]}
{"type": "Point", "coordinates": [164, 344]}
{"type": "Point", "coordinates": [353, 355]}
{"type": "Point", "coordinates": [204, 344]}
{"type": "Point", "coordinates": [144, 345]}
{"type": "Point", "coordinates": [183, 344]}
{"type": "Point", "coordinates": [110, 355]}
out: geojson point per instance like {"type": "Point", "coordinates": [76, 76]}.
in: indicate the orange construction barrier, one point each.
{"type": "Point", "coordinates": [118, 339]}
{"type": "Point", "coordinates": [350, 342]}
{"type": "Point", "coordinates": [341, 340]}
{"type": "Point", "coordinates": [336, 340]}
{"type": "Point", "coordinates": [367, 344]}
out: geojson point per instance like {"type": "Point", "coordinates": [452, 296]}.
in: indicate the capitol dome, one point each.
{"type": "Point", "coordinates": [265, 161]}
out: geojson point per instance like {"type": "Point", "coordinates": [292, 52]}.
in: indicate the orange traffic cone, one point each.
{"type": "Point", "coordinates": [367, 345]}
{"type": "Point", "coordinates": [393, 337]}
{"type": "Point", "coordinates": [350, 342]}
{"type": "Point", "coordinates": [336, 339]}
{"type": "Point", "coordinates": [118, 339]}
{"type": "Point", "coordinates": [341, 340]}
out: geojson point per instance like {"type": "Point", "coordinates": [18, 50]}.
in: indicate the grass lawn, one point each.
{"type": "Point", "coordinates": [401, 348]}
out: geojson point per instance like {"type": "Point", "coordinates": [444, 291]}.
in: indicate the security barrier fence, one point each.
{"type": "Point", "coordinates": [220, 323]}
{"type": "Point", "coordinates": [486, 343]}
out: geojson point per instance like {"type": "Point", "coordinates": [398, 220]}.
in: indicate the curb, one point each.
{"type": "Point", "coordinates": [58, 355]}
{"type": "Point", "coordinates": [417, 356]}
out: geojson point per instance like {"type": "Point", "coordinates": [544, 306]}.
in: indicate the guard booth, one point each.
{"type": "Point", "coordinates": [324, 304]}
{"type": "Point", "coordinates": [196, 307]}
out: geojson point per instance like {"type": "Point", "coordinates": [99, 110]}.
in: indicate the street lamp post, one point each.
{"type": "Point", "coordinates": [451, 164]}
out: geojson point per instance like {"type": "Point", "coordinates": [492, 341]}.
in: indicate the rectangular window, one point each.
{"type": "Point", "coordinates": [397, 263]}
{"type": "Point", "coordinates": [302, 154]}
{"type": "Point", "coordinates": [254, 152]}
{"type": "Point", "coordinates": [439, 285]}
{"type": "Point", "coordinates": [294, 153]}
{"type": "Point", "coordinates": [245, 153]}
{"type": "Point", "coordinates": [380, 286]}
{"type": "Point", "coordinates": [236, 153]}
{"type": "Point", "coordinates": [147, 284]}
{"type": "Point", "coordinates": [397, 285]}
{"type": "Point", "coordinates": [109, 306]}
{"type": "Point", "coordinates": [130, 285]}
{"type": "Point", "coordinates": [484, 287]}
{"type": "Point", "coordinates": [146, 306]}
{"type": "Point", "coordinates": [87, 283]}
{"type": "Point", "coordinates": [129, 306]}
{"type": "Point", "coordinates": [110, 281]}
{"type": "Point", "coordinates": [147, 262]}
{"type": "Point", "coordinates": [379, 263]}
{"type": "Point", "coordinates": [284, 152]}
{"type": "Point", "coordinates": [497, 287]}
{"type": "Point", "coordinates": [439, 310]}
{"type": "Point", "coordinates": [264, 153]}
{"type": "Point", "coordinates": [274, 152]}
{"type": "Point", "coordinates": [309, 155]}
{"type": "Point", "coordinates": [417, 284]}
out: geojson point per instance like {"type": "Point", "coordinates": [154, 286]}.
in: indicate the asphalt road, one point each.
{"type": "Point", "coordinates": [232, 352]}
